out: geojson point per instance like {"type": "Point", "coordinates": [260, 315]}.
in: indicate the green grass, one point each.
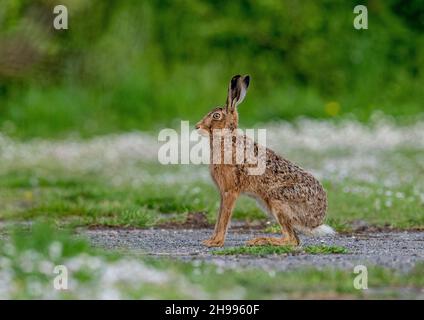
{"type": "Point", "coordinates": [323, 249]}
{"type": "Point", "coordinates": [90, 200]}
{"type": "Point", "coordinates": [28, 256]}
{"type": "Point", "coordinates": [376, 205]}
{"type": "Point", "coordinates": [91, 112]}
{"type": "Point", "coordinates": [148, 194]}
{"type": "Point", "coordinates": [278, 250]}
{"type": "Point", "coordinates": [305, 283]}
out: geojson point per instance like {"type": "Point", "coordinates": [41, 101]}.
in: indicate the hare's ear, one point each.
{"type": "Point", "coordinates": [237, 91]}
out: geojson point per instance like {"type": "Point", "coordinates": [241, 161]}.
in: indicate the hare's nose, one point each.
{"type": "Point", "coordinates": [197, 126]}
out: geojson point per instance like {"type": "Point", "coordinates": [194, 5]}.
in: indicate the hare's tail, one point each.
{"type": "Point", "coordinates": [323, 230]}
{"type": "Point", "coordinates": [320, 231]}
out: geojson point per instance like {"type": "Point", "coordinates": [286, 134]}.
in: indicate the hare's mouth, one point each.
{"type": "Point", "coordinates": [203, 132]}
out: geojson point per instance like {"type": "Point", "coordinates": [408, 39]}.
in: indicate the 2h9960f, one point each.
{"type": "Point", "coordinates": [233, 309]}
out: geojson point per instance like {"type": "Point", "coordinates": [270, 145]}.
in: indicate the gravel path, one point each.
{"type": "Point", "coordinates": [397, 250]}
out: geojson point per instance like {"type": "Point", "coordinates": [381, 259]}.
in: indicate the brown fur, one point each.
{"type": "Point", "coordinates": [293, 196]}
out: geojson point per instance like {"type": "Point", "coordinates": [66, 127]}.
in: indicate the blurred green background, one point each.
{"type": "Point", "coordinates": [126, 65]}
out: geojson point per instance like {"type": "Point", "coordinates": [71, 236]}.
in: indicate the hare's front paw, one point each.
{"type": "Point", "coordinates": [214, 242]}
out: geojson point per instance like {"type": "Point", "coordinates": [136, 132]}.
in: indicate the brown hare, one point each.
{"type": "Point", "coordinates": [293, 196]}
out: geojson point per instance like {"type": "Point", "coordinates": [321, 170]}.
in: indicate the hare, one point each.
{"type": "Point", "coordinates": [293, 196]}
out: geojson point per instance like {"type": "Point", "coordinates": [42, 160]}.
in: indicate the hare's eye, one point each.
{"type": "Point", "coordinates": [216, 116]}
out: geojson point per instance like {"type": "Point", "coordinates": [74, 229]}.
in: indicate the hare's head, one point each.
{"type": "Point", "coordinates": [226, 117]}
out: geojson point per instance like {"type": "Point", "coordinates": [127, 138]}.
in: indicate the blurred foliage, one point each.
{"type": "Point", "coordinates": [130, 64]}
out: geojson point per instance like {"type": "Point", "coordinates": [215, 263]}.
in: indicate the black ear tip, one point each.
{"type": "Point", "coordinates": [246, 80]}
{"type": "Point", "coordinates": [234, 81]}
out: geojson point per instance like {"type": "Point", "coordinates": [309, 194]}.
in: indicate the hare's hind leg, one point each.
{"type": "Point", "coordinates": [289, 237]}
